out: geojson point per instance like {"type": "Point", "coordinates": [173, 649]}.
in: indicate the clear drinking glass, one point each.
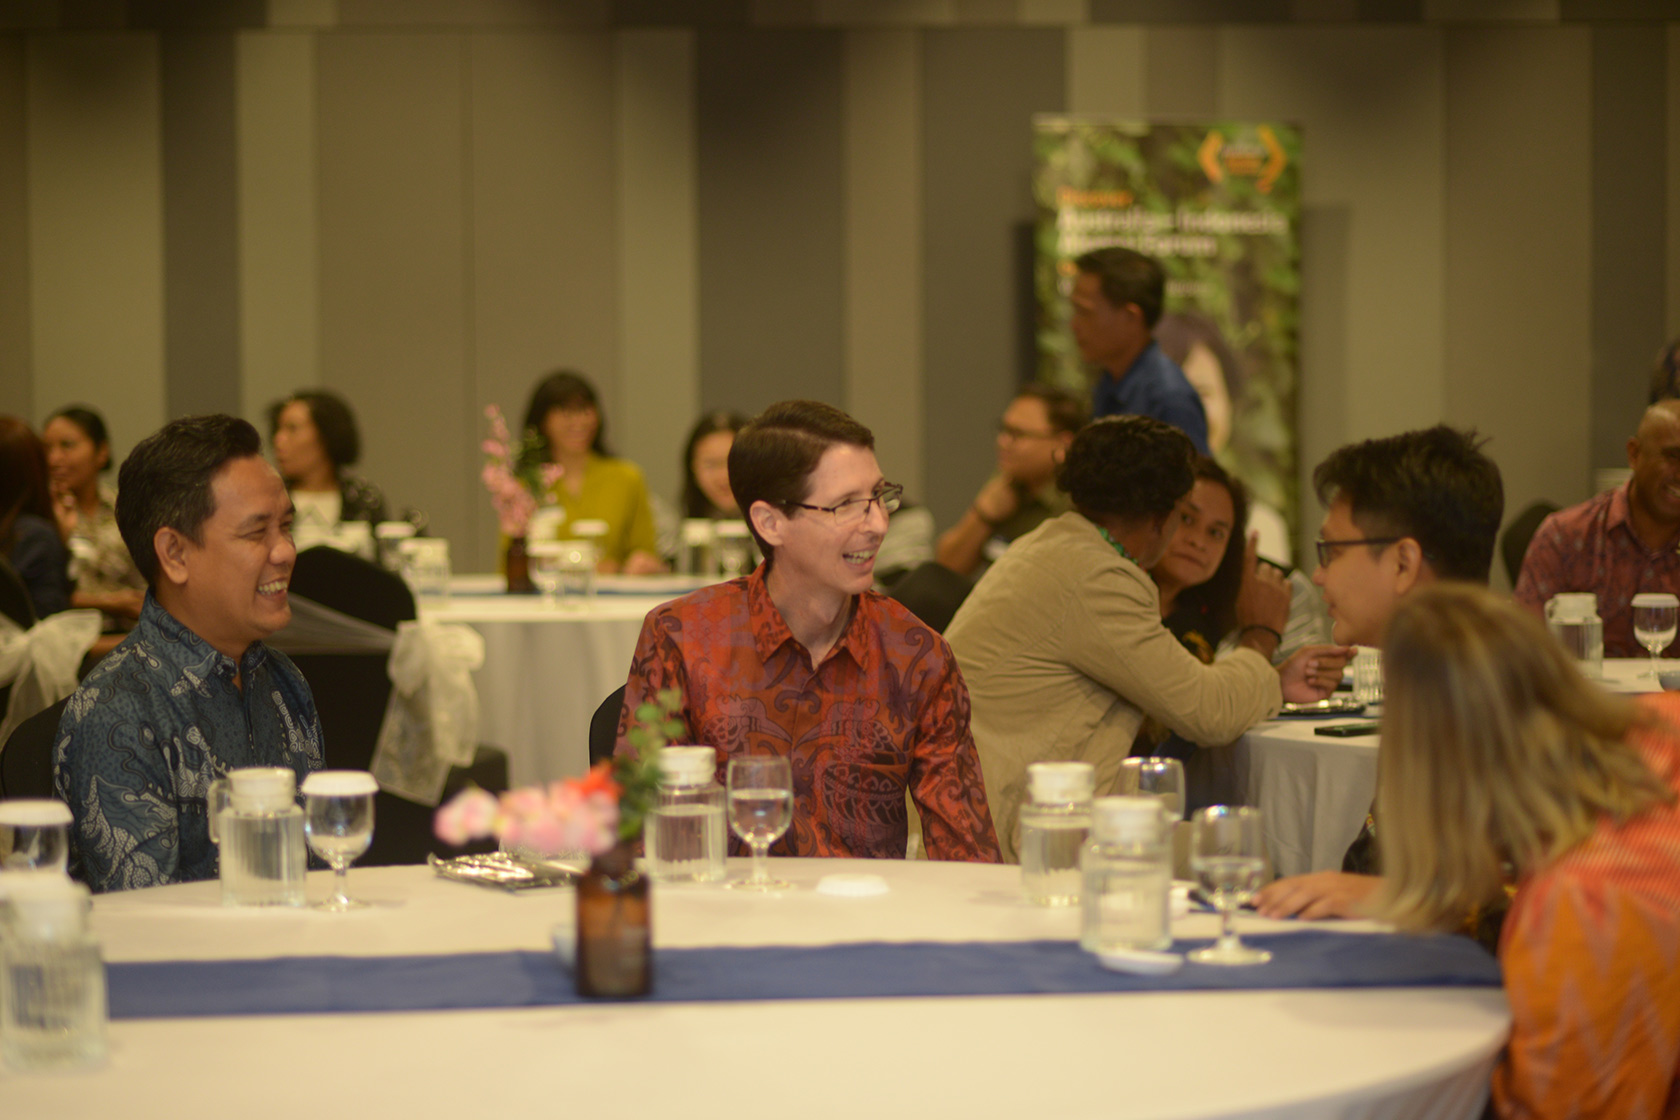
{"type": "Point", "coordinates": [760, 810]}
{"type": "Point", "coordinates": [338, 823]}
{"type": "Point", "coordinates": [1227, 853]}
{"type": "Point", "coordinates": [34, 835]}
{"type": "Point", "coordinates": [545, 568]}
{"type": "Point", "coordinates": [1656, 616]}
{"type": "Point", "coordinates": [1162, 778]}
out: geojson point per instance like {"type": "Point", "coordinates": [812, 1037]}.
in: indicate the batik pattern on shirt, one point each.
{"type": "Point", "coordinates": [1591, 955]}
{"type": "Point", "coordinates": [884, 712]}
{"type": "Point", "coordinates": [155, 723]}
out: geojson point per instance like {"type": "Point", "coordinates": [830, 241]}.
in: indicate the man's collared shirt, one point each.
{"type": "Point", "coordinates": [1153, 386]}
{"type": "Point", "coordinates": [885, 711]}
{"type": "Point", "coordinates": [1592, 547]}
{"type": "Point", "coordinates": [150, 728]}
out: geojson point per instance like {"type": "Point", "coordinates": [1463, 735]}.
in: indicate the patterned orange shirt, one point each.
{"type": "Point", "coordinates": [885, 711]}
{"type": "Point", "coordinates": [1591, 953]}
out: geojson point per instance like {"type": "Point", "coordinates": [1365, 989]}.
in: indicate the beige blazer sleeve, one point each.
{"type": "Point", "coordinates": [1118, 640]}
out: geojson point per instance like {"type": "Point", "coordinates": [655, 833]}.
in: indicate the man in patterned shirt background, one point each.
{"type": "Point", "coordinates": [802, 659]}
{"type": "Point", "coordinates": [1619, 543]}
{"type": "Point", "coordinates": [192, 692]}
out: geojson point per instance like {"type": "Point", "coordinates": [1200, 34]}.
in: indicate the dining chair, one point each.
{"type": "Point", "coordinates": [603, 727]}
{"type": "Point", "coordinates": [26, 759]}
{"type": "Point", "coordinates": [351, 691]}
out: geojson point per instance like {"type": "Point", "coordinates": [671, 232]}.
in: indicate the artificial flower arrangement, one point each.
{"type": "Point", "coordinates": [594, 813]}
{"type": "Point", "coordinates": [518, 478]}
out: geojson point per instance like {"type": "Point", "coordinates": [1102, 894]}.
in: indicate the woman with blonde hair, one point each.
{"type": "Point", "coordinates": [1503, 771]}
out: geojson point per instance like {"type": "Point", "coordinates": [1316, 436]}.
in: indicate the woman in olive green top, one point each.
{"type": "Point", "coordinates": [594, 485]}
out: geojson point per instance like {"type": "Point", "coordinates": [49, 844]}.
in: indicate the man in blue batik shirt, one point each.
{"type": "Point", "coordinates": [192, 692]}
{"type": "Point", "coordinates": [1117, 299]}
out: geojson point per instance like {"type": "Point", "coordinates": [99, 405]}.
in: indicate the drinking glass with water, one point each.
{"type": "Point", "coordinates": [760, 810]}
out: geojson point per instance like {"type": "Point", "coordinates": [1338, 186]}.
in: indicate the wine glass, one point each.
{"type": "Point", "coordinates": [1227, 853]}
{"type": "Point", "coordinates": [1655, 618]}
{"type": "Point", "coordinates": [760, 810]}
{"type": "Point", "coordinates": [1162, 778]}
{"type": "Point", "coordinates": [546, 560]}
{"type": "Point", "coordinates": [338, 823]}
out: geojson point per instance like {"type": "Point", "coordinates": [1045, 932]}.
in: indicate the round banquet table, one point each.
{"type": "Point", "coordinates": [1314, 790]}
{"type": "Point", "coordinates": [1372, 1052]}
{"type": "Point", "coordinates": [546, 667]}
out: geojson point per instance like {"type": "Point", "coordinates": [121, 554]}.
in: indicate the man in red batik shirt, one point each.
{"type": "Point", "coordinates": [1619, 543]}
{"type": "Point", "coordinates": [802, 659]}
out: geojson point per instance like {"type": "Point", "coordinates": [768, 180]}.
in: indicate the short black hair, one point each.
{"type": "Point", "coordinates": [335, 424]}
{"type": "Point", "coordinates": [772, 458]}
{"type": "Point", "coordinates": [165, 481]}
{"type": "Point", "coordinates": [695, 502]}
{"type": "Point", "coordinates": [1128, 467]}
{"type": "Point", "coordinates": [1067, 413]}
{"type": "Point", "coordinates": [565, 388]}
{"type": "Point", "coordinates": [1128, 276]}
{"type": "Point", "coordinates": [92, 425]}
{"type": "Point", "coordinates": [1433, 485]}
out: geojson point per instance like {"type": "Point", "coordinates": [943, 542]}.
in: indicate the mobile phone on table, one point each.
{"type": "Point", "coordinates": [1348, 730]}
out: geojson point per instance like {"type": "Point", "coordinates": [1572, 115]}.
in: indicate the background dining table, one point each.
{"type": "Point", "coordinates": [1306, 1052]}
{"type": "Point", "coordinates": [549, 664]}
{"type": "Point", "coordinates": [1315, 790]}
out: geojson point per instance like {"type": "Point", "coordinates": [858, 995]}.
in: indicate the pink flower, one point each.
{"type": "Point", "coordinates": [469, 815]}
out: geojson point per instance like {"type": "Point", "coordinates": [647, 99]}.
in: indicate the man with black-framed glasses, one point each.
{"type": "Point", "coordinates": [803, 659]}
{"type": "Point", "coordinates": [1033, 436]}
{"type": "Point", "coordinates": [1400, 514]}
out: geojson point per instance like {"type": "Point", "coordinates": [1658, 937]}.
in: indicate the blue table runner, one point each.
{"type": "Point", "coordinates": [314, 985]}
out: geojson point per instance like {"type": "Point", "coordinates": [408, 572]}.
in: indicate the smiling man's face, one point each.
{"type": "Point", "coordinates": [235, 577]}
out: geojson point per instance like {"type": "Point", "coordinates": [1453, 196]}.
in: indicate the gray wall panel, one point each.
{"type": "Point", "coordinates": [980, 89]}
{"type": "Point", "coordinates": [16, 382]}
{"type": "Point", "coordinates": [1629, 268]}
{"type": "Point", "coordinates": [771, 225]}
{"type": "Point", "coordinates": [200, 224]}
{"type": "Point", "coordinates": [394, 298]}
{"type": "Point", "coordinates": [543, 283]}
{"type": "Point", "coordinates": [658, 273]}
{"type": "Point", "coordinates": [1518, 259]}
{"type": "Point", "coordinates": [96, 227]}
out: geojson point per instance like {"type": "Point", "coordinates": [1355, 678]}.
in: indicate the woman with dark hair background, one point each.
{"type": "Point", "coordinates": [28, 531]}
{"type": "Point", "coordinates": [105, 578]}
{"type": "Point", "coordinates": [1200, 579]}
{"type": "Point", "coordinates": [315, 441]}
{"type": "Point", "coordinates": [595, 484]}
{"type": "Point", "coordinates": [706, 490]}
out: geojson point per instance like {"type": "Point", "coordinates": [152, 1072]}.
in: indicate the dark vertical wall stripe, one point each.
{"type": "Point", "coordinates": [16, 395]}
{"type": "Point", "coordinates": [1629, 177]}
{"type": "Point", "coordinates": [200, 224]}
{"type": "Point", "coordinates": [771, 226]}
{"type": "Point", "coordinates": [981, 89]}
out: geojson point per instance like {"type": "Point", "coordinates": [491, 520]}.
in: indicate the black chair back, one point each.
{"type": "Point", "coordinates": [932, 592]}
{"type": "Point", "coordinates": [351, 692]}
{"type": "Point", "coordinates": [15, 602]}
{"type": "Point", "coordinates": [26, 760]}
{"type": "Point", "coordinates": [1513, 542]}
{"type": "Point", "coordinates": [603, 727]}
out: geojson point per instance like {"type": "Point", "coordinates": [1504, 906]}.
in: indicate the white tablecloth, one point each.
{"type": "Point", "coordinates": [1349, 1053]}
{"type": "Point", "coordinates": [547, 669]}
{"type": "Point", "coordinates": [1315, 790]}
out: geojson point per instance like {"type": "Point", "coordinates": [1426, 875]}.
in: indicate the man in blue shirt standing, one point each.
{"type": "Point", "coordinates": [192, 692]}
{"type": "Point", "coordinates": [1117, 300]}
